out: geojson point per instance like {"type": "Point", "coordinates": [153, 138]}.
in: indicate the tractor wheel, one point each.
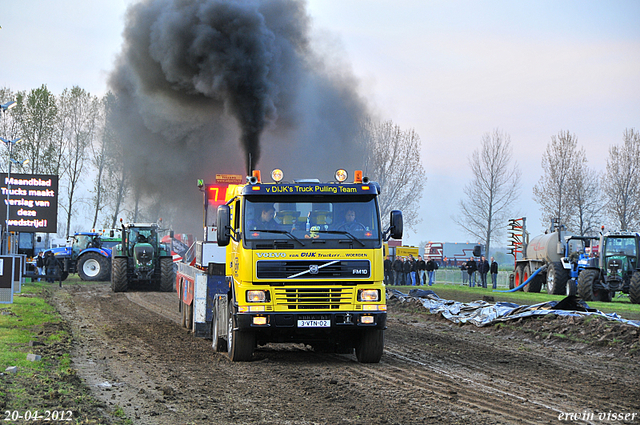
{"type": "Point", "coordinates": [93, 267]}
{"type": "Point", "coordinates": [64, 275]}
{"type": "Point", "coordinates": [535, 284]}
{"type": "Point", "coordinates": [167, 275]}
{"type": "Point", "coordinates": [634, 288]}
{"type": "Point", "coordinates": [240, 345]}
{"type": "Point", "coordinates": [370, 346]}
{"type": "Point", "coordinates": [119, 278]}
{"type": "Point", "coordinates": [586, 279]}
{"type": "Point", "coordinates": [518, 276]}
{"type": "Point", "coordinates": [218, 342]}
{"type": "Point", "coordinates": [571, 287]}
{"type": "Point", "coordinates": [557, 277]}
{"type": "Point", "coordinates": [605, 296]}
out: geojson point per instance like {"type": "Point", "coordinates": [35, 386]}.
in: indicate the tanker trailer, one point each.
{"type": "Point", "coordinates": [547, 249]}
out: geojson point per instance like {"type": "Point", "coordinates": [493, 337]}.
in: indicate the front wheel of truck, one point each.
{"type": "Point", "coordinates": [240, 344]}
{"type": "Point", "coordinates": [370, 347]}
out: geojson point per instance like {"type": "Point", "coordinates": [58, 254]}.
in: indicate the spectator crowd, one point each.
{"type": "Point", "coordinates": [409, 271]}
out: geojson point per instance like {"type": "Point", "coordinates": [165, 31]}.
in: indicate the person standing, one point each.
{"type": "Point", "coordinates": [483, 269]}
{"type": "Point", "coordinates": [397, 271]}
{"type": "Point", "coordinates": [430, 267]}
{"type": "Point", "coordinates": [40, 264]}
{"type": "Point", "coordinates": [471, 271]}
{"type": "Point", "coordinates": [414, 270]}
{"type": "Point", "coordinates": [494, 273]}
{"type": "Point", "coordinates": [388, 271]}
{"type": "Point", "coordinates": [406, 269]}
{"type": "Point", "coordinates": [422, 268]}
{"type": "Point", "coordinates": [51, 264]}
{"type": "Point", "coordinates": [463, 269]}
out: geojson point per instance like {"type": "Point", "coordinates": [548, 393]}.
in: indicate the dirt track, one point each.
{"type": "Point", "coordinates": [131, 350]}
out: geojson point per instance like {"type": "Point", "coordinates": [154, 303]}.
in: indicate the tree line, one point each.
{"type": "Point", "coordinates": [582, 198]}
{"type": "Point", "coordinates": [74, 135]}
{"type": "Point", "coordinates": [69, 135]}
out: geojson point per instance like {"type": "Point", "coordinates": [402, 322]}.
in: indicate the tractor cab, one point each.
{"type": "Point", "coordinates": [619, 258]}
{"type": "Point", "coordinates": [82, 241]}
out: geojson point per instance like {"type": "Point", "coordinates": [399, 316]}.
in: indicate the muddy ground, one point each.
{"type": "Point", "coordinates": [131, 351]}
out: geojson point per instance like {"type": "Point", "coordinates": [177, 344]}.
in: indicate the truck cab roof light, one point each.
{"type": "Point", "coordinates": [341, 175]}
{"type": "Point", "coordinates": [277, 175]}
{"type": "Point", "coordinates": [357, 176]}
{"type": "Point", "coordinates": [255, 177]}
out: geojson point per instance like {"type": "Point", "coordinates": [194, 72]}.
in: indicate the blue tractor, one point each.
{"type": "Point", "coordinates": [89, 255]}
{"type": "Point", "coordinates": [577, 249]}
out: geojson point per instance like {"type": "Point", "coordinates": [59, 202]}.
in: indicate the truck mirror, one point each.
{"type": "Point", "coordinates": [224, 225]}
{"type": "Point", "coordinates": [396, 224]}
{"type": "Point", "coordinates": [171, 234]}
{"type": "Point", "coordinates": [477, 251]}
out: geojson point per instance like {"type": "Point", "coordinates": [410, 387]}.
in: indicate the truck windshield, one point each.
{"type": "Point", "coordinates": [326, 218]}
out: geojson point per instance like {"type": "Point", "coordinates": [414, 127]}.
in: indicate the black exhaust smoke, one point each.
{"type": "Point", "coordinates": [195, 78]}
{"type": "Point", "coordinates": [220, 50]}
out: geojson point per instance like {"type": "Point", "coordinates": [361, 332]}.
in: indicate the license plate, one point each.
{"type": "Point", "coordinates": [314, 323]}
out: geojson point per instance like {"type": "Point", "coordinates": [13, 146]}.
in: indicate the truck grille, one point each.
{"type": "Point", "coordinates": [313, 298]}
{"type": "Point", "coordinates": [313, 269]}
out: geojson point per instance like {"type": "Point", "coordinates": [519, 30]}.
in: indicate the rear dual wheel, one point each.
{"type": "Point", "coordinates": [557, 277]}
{"type": "Point", "coordinates": [187, 315]}
{"type": "Point", "coordinates": [219, 344]}
{"type": "Point", "coordinates": [535, 284]}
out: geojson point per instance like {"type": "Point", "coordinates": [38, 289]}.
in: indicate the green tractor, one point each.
{"type": "Point", "coordinates": [614, 270]}
{"type": "Point", "coordinates": [142, 259]}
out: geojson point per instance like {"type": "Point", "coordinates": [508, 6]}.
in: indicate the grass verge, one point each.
{"type": "Point", "coordinates": [31, 325]}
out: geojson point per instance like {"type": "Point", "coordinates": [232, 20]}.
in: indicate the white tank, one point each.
{"type": "Point", "coordinates": [546, 248]}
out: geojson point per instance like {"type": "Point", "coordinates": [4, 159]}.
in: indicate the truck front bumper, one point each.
{"type": "Point", "coordinates": [309, 323]}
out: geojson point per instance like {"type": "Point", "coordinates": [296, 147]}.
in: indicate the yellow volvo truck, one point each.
{"type": "Point", "coordinates": [304, 264]}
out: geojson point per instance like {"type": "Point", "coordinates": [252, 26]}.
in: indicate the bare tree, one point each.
{"type": "Point", "coordinates": [100, 161]}
{"type": "Point", "coordinates": [493, 190]}
{"type": "Point", "coordinates": [78, 110]}
{"type": "Point", "coordinates": [554, 192]}
{"type": "Point", "coordinates": [622, 181]}
{"type": "Point", "coordinates": [115, 178]}
{"type": "Point", "coordinates": [588, 201]}
{"type": "Point", "coordinates": [393, 160]}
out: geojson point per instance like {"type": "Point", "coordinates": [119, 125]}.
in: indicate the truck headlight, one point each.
{"type": "Point", "coordinates": [257, 296]}
{"type": "Point", "coordinates": [368, 295]}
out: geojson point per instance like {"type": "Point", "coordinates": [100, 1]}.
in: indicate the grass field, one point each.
{"type": "Point", "coordinates": [620, 305]}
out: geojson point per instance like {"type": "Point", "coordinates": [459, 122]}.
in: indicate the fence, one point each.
{"type": "Point", "coordinates": [455, 277]}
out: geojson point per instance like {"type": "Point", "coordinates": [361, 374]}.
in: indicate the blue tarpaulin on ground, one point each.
{"type": "Point", "coordinates": [482, 313]}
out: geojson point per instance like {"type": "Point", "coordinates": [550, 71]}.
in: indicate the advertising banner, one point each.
{"type": "Point", "coordinates": [32, 200]}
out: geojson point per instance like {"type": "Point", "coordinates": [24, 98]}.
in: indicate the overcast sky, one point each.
{"type": "Point", "coordinates": [451, 70]}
